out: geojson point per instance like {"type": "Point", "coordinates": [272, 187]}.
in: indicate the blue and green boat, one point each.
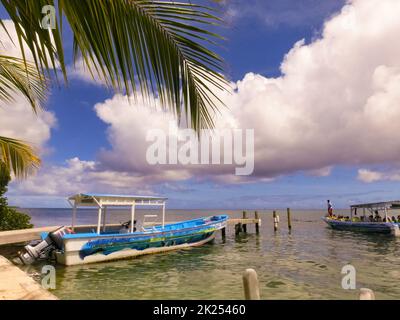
{"type": "Point", "coordinates": [377, 217]}
{"type": "Point", "coordinates": [88, 244]}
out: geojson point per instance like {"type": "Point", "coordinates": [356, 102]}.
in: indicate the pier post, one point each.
{"type": "Point", "coordinates": [257, 225]}
{"type": "Point", "coordinates": [366, 294]}
{"type": "Point", "coordinates": [276, 219]}
{"type": "Point", "coordinates": [251, 285]}
{"type": "Point", "coordinates": [244, 225]}
{"type": "Point", "coordinates": [223, 233]}
{"type": "Point", "coordinates": [238, 228]}
{"type": "Point", "coordinates": [289, 222]}
{"type": "Point", "coordinates": [104, 218]}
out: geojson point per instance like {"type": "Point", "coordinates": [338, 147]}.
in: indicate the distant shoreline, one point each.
{"type": "Point", "coordinates": [204, 209]}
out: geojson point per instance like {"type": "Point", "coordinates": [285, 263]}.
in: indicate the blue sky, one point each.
{"type": "Point", "coordinates": [259, 36]}
{"type": "Point", "coordinates": [251, 45]}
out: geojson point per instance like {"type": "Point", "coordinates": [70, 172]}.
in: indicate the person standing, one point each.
{"type": "Point", "coordinates": [330, 208]}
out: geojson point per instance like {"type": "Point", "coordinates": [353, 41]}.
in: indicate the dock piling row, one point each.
{"type": "Point", "coordinates": [276, 220]}
{"type": "Point", "coordinates": [244, 225]}
{"type": "Point", "coordinates": [257, 224]}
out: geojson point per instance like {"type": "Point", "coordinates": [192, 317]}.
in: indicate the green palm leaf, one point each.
{"type": "Point", "coordinates": [18, 157]}
{"type": "Point", "coordinates": [18, 77]}
{"type": "Point", "coordinates": [155, 47]}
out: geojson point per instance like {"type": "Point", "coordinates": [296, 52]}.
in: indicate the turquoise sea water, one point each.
{"type": "Point", "coordinates": [305, 264]}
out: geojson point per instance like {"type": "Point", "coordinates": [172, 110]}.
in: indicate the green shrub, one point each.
{"type": "Point", "coordinates": [10, 218]}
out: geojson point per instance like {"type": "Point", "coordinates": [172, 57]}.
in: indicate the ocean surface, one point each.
{"type": "Point", "coordinates": [303, 264]}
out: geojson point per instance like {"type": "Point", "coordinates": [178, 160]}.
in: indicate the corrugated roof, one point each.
{"type": "Point", "coordinates": [384, 204]}
{"type": "Point", "coordinates": [115, 196]}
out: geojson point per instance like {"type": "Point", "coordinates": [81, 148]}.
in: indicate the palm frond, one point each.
{"type": "Point", "coordinates": [155, 47]}
{"type": "Point", "coordinates": [19, 77]}
{"type": "Point", "coordinates": [45, 45]}
{"type": "Point", "coordinates": [18, 157]}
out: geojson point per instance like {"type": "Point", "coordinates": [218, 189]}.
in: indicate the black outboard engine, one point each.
{"type": "Point", "coordinates": [44, 248]}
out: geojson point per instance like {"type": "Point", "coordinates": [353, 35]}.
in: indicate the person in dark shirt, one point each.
{"type": "Point", "coordinates": [377, 217]}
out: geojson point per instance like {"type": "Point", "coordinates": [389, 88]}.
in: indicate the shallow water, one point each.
{"type": "Point", "coordinates": [305, 264]}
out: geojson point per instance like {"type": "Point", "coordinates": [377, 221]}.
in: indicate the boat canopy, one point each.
{"type": "Point", "coordinates": [378, 205]}
{"type": "Point", "coordinates": [98, 200]}
{"type": "Point", "coordinates": [102, 201]}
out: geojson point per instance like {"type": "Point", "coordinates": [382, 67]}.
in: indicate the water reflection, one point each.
{"type": "Point", "coordinates": [305, 263]}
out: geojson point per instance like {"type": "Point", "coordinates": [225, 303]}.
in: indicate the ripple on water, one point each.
{"type": "Point", "coordinates": [305, 264]}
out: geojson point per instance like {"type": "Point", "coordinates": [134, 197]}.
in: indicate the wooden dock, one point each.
{"type": "Point", "coordinates": [24, 235]}
{"type": "Point", "coordinates": [17, 285]}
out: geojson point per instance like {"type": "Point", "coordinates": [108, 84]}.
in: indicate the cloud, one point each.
{"type": "Point", "coordinates": [19, 122]}
{"type": "Point", "coordinates": [16, 118]}
{"type": "Point", "coordinates": [79, 70]}
{"type": "Point", "coordinates": [336, 103]}
{"type": "Point", "coordinates": [9, 42]}
{"type": "Point", "coordinates": [129, 122]}
{"type": "Point", "coordinates": [337, 100]}
{"type": "Point", "coordinates": [369, 176]}
{"type": "Point", "coordinates": [77, 176]}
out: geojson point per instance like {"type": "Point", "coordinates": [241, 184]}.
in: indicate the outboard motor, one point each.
{"type": "Point", "coordinates": [44, 248]}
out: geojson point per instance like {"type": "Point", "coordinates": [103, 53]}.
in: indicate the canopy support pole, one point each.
{"type": "Point", "coordinates": [73, 217]}
{"type": "Point", "coordinates": [99, 221]}
{"type": "Point", "coordinates": [104, 218]}
{"type": "Point", "coordinates": [163, 214]}
{"type": "Point", "coordinates": [133, 217]}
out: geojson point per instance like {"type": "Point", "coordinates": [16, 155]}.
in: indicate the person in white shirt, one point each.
{"type": "Point", "coordinates": [330, 208]}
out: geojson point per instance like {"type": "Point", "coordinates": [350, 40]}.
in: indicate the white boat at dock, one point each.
{"type": "Point", "coordinates": [71, 246]}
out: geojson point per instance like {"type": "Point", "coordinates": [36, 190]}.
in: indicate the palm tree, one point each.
{"type": "Point", "coordinates": [152, 47]}
{"type": "Point", "coordinates": [18, 77]}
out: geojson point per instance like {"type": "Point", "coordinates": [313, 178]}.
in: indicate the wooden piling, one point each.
{"type": "Point", "coordinates": [366, 294]}
{"type": "Point", "coordinates": [289, 222]}
{"type": "Point", "coordinates": [223, 233]}
{"type": "Point", "coordinates": [275, 221]}
{"type": "Point", "coordinates": [238, 228]}
{"type": "Point", "coordinates": [257, 225]}
{"type": "Point", "coordinates": [251, 285]}
{"type": "Point", "coordinates": [244, 225]}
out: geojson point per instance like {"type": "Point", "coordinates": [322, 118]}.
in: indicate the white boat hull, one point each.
{"type": "Point", "coordinates": [72, 257]}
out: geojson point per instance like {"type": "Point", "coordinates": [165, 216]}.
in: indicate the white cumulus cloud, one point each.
{"type": "Point", "coordinates": [337, 102]}
{"type": "Point", "coordinates": [369, 176]}
{"type": "Point", "coordinates": [16, 118]}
